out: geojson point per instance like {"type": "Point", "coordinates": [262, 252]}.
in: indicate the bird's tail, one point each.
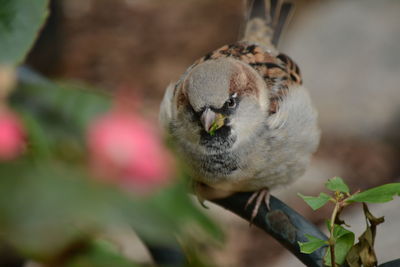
{"type": "Point", "coordinates": [265, 20]}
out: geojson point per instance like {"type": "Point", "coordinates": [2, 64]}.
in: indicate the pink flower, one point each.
{"type": "Point", "coordinates": [12, 136]}
{"type": "Point", "coordinates": [126, 149]}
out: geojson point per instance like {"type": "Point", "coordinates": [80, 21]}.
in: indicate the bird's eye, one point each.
{"type": "Point", "coordinates": [232, 101]}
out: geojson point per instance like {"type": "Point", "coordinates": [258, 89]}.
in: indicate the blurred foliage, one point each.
{"type": "Point", "coordinates": [48, 199]}
{"type": "Point", "coordinates": [57, 114]}
{"type": "Point", "coordinates": [98, 254]}
{"type": "Point", "coordinates": [20, 21]}
{"type": "Point", "coordinates": [51, 208]}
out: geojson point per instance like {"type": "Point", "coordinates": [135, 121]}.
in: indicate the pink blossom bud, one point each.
{"type": "Point", "coordinates": [125, 148]}
{"type": "Point", "coordinates": [12, 136]}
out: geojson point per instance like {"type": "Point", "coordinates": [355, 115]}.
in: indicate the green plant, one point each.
{"type": "Point", "coordinates": [340, 244]}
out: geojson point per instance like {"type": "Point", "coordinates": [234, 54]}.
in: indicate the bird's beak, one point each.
{"type": "Point", "coordinates": [207, 119]}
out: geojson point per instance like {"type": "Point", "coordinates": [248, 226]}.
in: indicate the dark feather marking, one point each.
{"type": "Point", "coordinates": [208, 56]}
{"type": "Point", "coordinates": [251, 48]}
{"type": "Point", "coordinates": [219, 164]}
{"type": "Point", "coordinates": [283, 58]}
{"type": "Point", "coordinates": [268, 65]}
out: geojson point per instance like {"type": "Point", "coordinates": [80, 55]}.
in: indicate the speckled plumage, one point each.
{"type": "Point", "coordinates": [270, 128]}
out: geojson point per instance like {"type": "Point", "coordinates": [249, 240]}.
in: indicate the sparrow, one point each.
{"type": "Point", "coordinates": [240, 116]}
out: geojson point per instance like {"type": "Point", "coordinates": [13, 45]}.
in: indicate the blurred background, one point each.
{"type": "Point", "coordinates": [348, 52]}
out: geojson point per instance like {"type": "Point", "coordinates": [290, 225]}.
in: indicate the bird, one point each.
{"type": "Point", "coordinates": [240, 116]}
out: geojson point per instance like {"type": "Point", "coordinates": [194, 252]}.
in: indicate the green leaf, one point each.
{"type": "Point", "coordinates": [337, 184]}
{"type": "Point", "coordinates": [45, 206]}
{"type": "Point", "coordinates": [316, 202]}
{"type": "Point", "coordinates": [56, 115]}
{"type": "Point", "coordinates": [312, 245]}
{"type": "Point", "coordinates": [184, 212]}
{"type": "Point", "coordinates": [344, 242]}
{"type": "Point", "coordinates": [99, 253]}
{"type": "Point", "coordinates": [380, 194]}
{"type": "Point", "coordinates": [38, 144]}
{"type": "Point", "coordinates": [20, 22]}
{"type": "Point", "coordinates": [339, 231]}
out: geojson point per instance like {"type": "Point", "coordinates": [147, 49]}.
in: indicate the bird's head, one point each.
{"type": "Point", "coordinates": [221, 102]}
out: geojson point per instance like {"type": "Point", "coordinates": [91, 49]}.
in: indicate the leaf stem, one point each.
{"type": "Point", "coordinates": [332, 240]}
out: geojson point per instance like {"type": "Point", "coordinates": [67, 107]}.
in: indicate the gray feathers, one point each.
{"type": "Point", "coordinates": [208, 84]}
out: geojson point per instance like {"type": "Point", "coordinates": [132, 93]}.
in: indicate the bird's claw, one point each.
{"type": "Point", "coordinates": [258, 197]}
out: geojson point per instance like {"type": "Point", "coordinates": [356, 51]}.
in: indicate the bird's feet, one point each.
{"type": "Point", "coordinates": [258, 197]}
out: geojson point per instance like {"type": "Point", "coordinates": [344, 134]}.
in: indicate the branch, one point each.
{"type": "Point", "coordinates": [285, 225]}
{"type": "Point", "coordinates": [281, 222]}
